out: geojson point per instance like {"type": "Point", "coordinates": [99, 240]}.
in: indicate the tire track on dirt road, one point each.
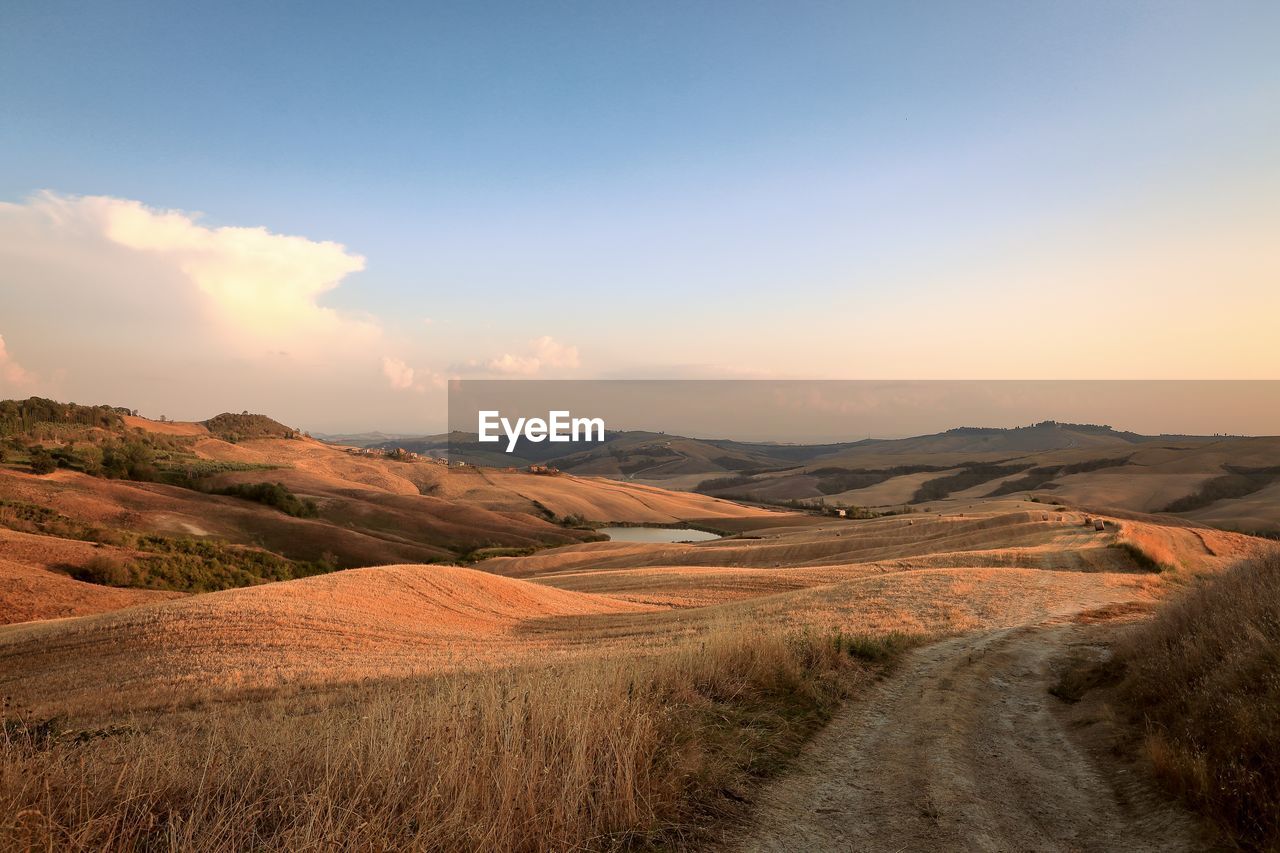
{"type": "Point", "coordinates": [963, 748]}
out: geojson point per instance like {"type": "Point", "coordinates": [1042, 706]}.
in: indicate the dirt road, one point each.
{"type": "Point", "coordinates": [964, 749]}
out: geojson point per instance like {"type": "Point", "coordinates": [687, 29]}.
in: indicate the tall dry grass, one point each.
{"type": "Point", "coordinates": [590, 755]}
{"type": "Point", "coordinates": [1204, 677]}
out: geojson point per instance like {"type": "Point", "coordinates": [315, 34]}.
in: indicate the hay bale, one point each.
{"type": "Point", "coordinates": [1099, 524]}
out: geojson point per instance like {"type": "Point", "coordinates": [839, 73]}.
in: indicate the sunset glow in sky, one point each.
{"type": "Point", "coordinates": [325, 211]}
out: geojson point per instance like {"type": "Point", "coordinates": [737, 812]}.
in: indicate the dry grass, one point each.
{"type": "Point", "coordinates": [1204, 676]}
{"type": "Point", "coordinates": [590, 755]}
{"type": "Point", "coordinates": [385, 622]}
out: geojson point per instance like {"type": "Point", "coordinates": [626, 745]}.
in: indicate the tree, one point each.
{"type": "Point", "coordinates": [132, 460]}
{"type": "Point", "coordinates": [42, 461]}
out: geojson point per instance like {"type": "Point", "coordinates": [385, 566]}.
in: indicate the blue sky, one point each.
{"type": "Point", "coordinates": [672, 189]}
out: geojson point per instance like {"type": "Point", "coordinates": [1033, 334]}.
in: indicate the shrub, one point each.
{"type": "Point", "coordinates": [201, 565]}
{"type": "Point", "coordinates": [42, 461]}
{"type": "Point", "coordinates": [104, 569]}
{"type": "Point", "coordinates": [274, 495]}
{"type": "Point", "coordinates": [130, 460]}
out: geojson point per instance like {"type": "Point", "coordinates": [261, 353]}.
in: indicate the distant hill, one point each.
{"type": "Point", "coordinates": [654, 456]}
{"type": "Point", "coordinates": [373, 439]}
{"type": "Point", "coordinates": [231, 427]}
{"type": "Point", "coordinates": [1228, 481]}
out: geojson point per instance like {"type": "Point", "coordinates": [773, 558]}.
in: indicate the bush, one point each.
{"type": "Point", "coordinates": [33, 518]}
{"type": "Point", "coordinates": [104, 569]}
{"type": "Point", "coordinates": [274, 495]}
{"type": "Point", "coordinates": [130, 460]}
{"type": "Point", "coordinates": [1202, 679]}
{"type": "Point", "coordinates": [201, 565]}
{"type": "Point", "coordinates": [42, 461]}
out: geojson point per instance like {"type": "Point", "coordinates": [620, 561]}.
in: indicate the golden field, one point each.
{"type": "Point", "coordinates": [564, 694]}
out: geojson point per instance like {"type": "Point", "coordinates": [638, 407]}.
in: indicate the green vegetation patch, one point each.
{"type": "Point", "coordinates": [716, 484]}
{"type": "Point", "coordinates": [37, 415]}
{"type": "Point", "coordinates": [1040, 477]}
{"type": "Point", "coordinates": [1236, 483]}
{"type": "Point", "coordinates": [197, 565]}
{"type": "Point", "coordinates": [275, 495]}
{"type": "Point", "coordinates": [970, 476]}
{"type": "Point", "coordinates": [33, 518]}
{"type": "Point", "coordinates": [231, 427]}
{"type": "Point", "coordinates": [835, 480]}
{"type": "Point", "coordinates": [185, 565]}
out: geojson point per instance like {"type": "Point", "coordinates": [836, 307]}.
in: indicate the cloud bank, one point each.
{"type": "Point", "coordinates": [544, 352]}
{"type": "Point", "coordinates": [110, 300]}
{"type": "Point", "coordinates": [13, 376]}
{"type": "Point", "coordinates": [258, 289]}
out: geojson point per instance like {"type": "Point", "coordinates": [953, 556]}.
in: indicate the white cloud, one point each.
{"type": "Point", "coordinates": [399, 374]}
{"type": "Point", "coordinates": [405, 378]}
{"type": "Point", "coordinates": [264, 286]}
{"type": "Point", "coordinates": [552, 353]}
{"type": "Point", "coordinates": [155, 309]}
{"type": "Point", "coordinates": [12, 374]}
{"type": "Point", "coordinates": [544, 352]}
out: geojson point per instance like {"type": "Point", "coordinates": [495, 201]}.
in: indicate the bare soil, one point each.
{"type": "Point", "coordinates": [964, 748]}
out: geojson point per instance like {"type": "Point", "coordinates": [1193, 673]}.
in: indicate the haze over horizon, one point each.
{"type": "Point", "coordinates": [322, 214]}
{"type": "Point", "coordinates": [837, 411]}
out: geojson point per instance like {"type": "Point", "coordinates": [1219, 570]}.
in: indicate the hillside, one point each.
{"type": "Point", "coordinates": [363, 623]}
{"type": "Point", "coordinates": [190, 507]}
{"type": "Point", "coordinates": [552, 656]}
{"type": "Point", "coordinates": [1007, 562]}
{"type": "Point", "coordinates": [1223, 481]}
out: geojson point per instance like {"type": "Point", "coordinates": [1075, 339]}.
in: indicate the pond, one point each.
{"type": "Point", "coordinates": [655, 534]}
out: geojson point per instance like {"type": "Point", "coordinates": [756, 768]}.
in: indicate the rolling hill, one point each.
{"type": "Point", "coordinates": [1222, 480]}
{"type": "Point", "coordinates": [167, 506]}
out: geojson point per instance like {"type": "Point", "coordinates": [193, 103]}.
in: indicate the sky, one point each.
{"type": "Point", "coordinates": [325, 211]}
